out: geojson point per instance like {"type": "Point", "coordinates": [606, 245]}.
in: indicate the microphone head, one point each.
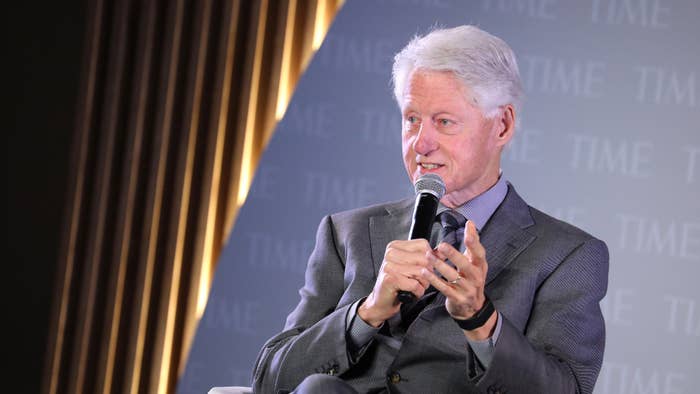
{"type": "Point", "coordinates": [430, 183]}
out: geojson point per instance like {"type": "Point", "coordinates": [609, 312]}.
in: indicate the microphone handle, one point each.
{"type": "Point", "coordinates": [405, 297]}
{"type": "Point", "coordinates": [424, 212]}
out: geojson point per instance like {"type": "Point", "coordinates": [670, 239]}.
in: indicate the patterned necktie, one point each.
{"type": "Point", "coordinates": [452, 232]}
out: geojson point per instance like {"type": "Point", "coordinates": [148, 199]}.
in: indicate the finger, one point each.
{"type": "Point", "coordinates": [439, 254]}
{"type": "Point", "coordinates": [458, 279]}
{"type": "Point", "coordinates": [461, 261]}
{"type": "Point", "coordinates": [474, 247]}
{"type": "Point", "coordinates": [412, 245]}
{"type": "Point", "coordinates": [413, 285]}
{"type": "Point", "coordinates": [442, 286]}
{"type": "Point", "coordinates": [447, 251]}
{"type": "Point", "coordinates": [412, 272]}
{"type": "Point", "coordinates": [407, 252]}
{"type": "Point", "coordinates": [403, 257]}
{"type": "Point", "coordinates": [446, 270]}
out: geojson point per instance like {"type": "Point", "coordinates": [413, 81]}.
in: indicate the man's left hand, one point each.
{"type": "Point", "coordinates": [463, 284]}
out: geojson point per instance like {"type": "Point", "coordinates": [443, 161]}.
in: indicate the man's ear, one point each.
{"type": "Point", "coordinates": [505, 125]}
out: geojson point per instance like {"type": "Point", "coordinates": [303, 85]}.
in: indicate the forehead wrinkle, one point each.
{"type": "Point", "coordinates": [418, 91]}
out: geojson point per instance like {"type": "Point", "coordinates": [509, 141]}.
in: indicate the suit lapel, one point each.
{"type": "Point", "coordinates": [392, 226]}
{"type": "Point", "coordinates": [506, 234]}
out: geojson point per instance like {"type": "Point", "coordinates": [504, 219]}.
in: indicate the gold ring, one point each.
{"type": "Point", "coordinates": [453, 282]}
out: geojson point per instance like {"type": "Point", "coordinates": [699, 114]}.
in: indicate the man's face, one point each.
{"type": "Point", "coordinates": [444, 132]}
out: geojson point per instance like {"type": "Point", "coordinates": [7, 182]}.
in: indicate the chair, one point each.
{"type": "Point", "coordinates": [231, 390]}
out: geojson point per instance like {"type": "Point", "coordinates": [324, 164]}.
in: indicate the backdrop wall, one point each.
{"type": "Point", "coordinates": [609, 141]}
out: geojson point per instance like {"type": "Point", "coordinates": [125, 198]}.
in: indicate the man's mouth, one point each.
{"type": "Point", "coordinates": [429, 166]}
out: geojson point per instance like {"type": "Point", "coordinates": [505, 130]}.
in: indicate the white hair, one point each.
{"type": "Point", "coordinates": [484, 63]}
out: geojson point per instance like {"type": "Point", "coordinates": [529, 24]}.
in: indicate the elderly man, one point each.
{"type": "Point", "coordinates": [508, 300]}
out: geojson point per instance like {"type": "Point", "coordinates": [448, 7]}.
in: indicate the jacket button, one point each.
{"type": "Point", "coordinates": [394, 377]}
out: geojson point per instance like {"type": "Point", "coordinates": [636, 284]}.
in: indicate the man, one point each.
{"type": "Point", "coordinates": [511, 306]}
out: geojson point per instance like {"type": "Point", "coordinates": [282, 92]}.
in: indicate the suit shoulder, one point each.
{"type": "Point", "coordinates": [353, 226]}
{"type": "Point", "coordinates": [549, 229]}
{"type": "Point", "coordinates": [549, 225]}
{"type": "Point", "coordinates": [363, 214]}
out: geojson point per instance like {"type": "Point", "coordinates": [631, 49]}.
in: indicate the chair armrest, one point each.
{"type": "Point", "coordinates": [231, 390]}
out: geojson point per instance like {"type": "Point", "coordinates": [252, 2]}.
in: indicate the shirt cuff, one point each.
{"type": "Point", "coordinates": [484, 349]}
{"type": "Point", "coordinates": [359, 332]}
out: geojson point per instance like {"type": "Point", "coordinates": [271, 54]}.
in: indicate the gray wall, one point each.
{"type": "Point", "coordinates": [609, 141]}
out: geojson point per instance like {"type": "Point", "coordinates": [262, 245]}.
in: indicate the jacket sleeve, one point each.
{"type": "Point", "coordinates": [314, 336]}
{"type": "Point", "coordinates": [561, 350]}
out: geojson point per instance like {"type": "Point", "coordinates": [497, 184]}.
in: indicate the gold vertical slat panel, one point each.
{"type": "Point", "coordinates": [83, 354]}
{"type": "Point", "coordinates": [162, 377]}
{"type": "Point", "coordinates": [283, 71]}
{"type": "Point", "coordinates": [307, 46]}
{"type": "Point", "coordinates": [209, 219]}
{"type": "Point", "coordinates": [251, 91]}
{"type": "Point", "coordinates": [67, 263]}
{"type": "Point", "coordinates": [272, 70]}
{"type": "Point", "coordinates": [324, 18]}
{"type": "Point", "coordinates": [177, 101]}
{"type": "Point", "coordinates": [127, 199]}
{"type": "Point", "coordinates": [257, 103]}
{"type": "Point", "coordinates": [243, 59]}
{"type": "Point", "coordinates": [155, 191]}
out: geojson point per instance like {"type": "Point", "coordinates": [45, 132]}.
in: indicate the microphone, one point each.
{"type": "Point", "coordinates": [429, 190]}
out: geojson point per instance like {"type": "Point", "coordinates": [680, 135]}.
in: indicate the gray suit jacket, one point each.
{"type": "Point", "coordinates": [545, 277]}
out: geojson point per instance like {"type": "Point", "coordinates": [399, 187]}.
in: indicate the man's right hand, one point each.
{"type": "Point", "coordinates": [401, 270]}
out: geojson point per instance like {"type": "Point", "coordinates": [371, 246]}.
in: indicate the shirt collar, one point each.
{"type": "Point", "coordinates": [480, 208]}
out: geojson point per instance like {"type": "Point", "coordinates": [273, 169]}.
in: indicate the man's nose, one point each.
{"type": "Point", "coordinates": [426, 140]}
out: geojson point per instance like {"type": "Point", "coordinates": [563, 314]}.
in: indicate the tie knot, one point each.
{"type": "Point", "coordinates": [452, 220]}
{"type": "Point", "coordinates": [452, 228]}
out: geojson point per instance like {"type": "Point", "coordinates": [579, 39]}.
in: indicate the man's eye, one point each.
{"type": "Point", "coordinates": [444, 122]}
{"type": "Point", "coordinates": [411, 119]}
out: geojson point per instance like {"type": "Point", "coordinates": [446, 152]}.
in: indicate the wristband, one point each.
{"type": "Point", "coordinates": [480, 317]}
